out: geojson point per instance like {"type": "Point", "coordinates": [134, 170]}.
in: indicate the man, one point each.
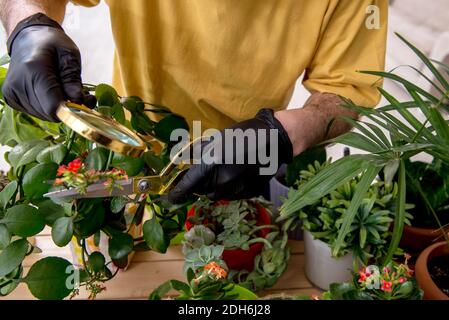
{"type": "Point", "coordinates": [218, 61]}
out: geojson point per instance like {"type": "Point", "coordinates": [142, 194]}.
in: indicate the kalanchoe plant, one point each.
{"type": "Point", "coordinates": [75, 175]}
{"type": "Point", "coordinates": [370, 231]}
{"type": "Point", "coordinates": [391, 282]}
{"type": "Point", "coordinates": [208, 283]}
{"type": "Point", "coordinates": [44, 152]}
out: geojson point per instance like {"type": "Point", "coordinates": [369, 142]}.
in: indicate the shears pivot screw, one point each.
{"type": "Point", "coordinates": [144, 186]}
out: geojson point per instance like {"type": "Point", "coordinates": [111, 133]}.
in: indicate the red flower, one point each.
{"type": "Point", "coordinates": [402, 280]}
{"type": "Point", "coordinates": [75, 165]}
{"type": "Point", "coordinates": [386, 286]}
{"type": "Point", "coordinates": [61, 170]}
{"type": "Point", "coordinates": [363, 276]}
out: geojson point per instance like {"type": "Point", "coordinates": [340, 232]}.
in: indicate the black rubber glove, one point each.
{"type": "Point", "coordinates": [45, 69]}
{"type": "Point", "coordinates": [235, 181]}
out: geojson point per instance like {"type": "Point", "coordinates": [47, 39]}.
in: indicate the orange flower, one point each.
{"type": "Point", "coordinates": [59, 182]}
{"type": "Point", "coordinates": [61, 170]}
{"type": "Point", "coordinates": [216, 270]}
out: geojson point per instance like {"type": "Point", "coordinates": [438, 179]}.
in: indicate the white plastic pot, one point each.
{"type": "Point", "coordinates": [279, 191]}
{"type": "Point", "coordinates": [320, 267]}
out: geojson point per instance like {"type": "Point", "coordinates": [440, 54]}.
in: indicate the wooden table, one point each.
{"type": "Point", "coordinates": [150, 269]}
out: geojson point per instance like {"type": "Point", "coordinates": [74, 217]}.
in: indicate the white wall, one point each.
{"type": "Point", "coordinates": [423, 22]}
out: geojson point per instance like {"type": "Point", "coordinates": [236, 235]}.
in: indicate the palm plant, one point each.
{"type": "Point", "coordinates": [405, 137]}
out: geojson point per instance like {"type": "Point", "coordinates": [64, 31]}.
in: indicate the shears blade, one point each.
{"type": "Point", "coordinates": [97, 190]}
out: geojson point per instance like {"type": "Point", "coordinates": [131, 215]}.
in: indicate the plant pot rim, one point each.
{"type": "Point", "coordinates": [425, 281]}
{"type": "Point", "coordinates": [421, 230]}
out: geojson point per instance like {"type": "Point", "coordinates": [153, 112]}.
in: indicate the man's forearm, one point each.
{"type": "Point", "coordinates": [310, 125]}
{"type": "Point", "coordinates": [14, 11]}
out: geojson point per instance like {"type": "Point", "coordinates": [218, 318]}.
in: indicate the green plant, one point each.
{"type": "Point", "coordinates": [233, 222]}
{"type": "Point", "coordinates": [370, 230]}
{"type": "Point", "coordinates": [204, 243]}
{"type": "Point", "coordinates": [392, 282]}
{"type": "Point", "coordinates": [428, 186]}
{"type": "Point", "coordinates": [39, 149]}
{"type": "Point", "coordinates": [208, 283]}
{"type": "Point", "coordinates": [405, 137]}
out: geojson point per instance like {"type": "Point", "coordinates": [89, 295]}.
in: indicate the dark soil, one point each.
{"type": "Point", "coordinates": [439, 271]}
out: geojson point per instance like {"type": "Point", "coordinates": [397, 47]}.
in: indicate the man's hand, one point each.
{"type": "Point", "coordinates": [45, 66]}
{"type": "Point", "coordinates": [297, 130]}
{"type": "Point", "coordinates": [221, 175]}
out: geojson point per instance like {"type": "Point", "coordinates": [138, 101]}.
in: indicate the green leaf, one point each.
{"type": "Point", "coordinates": [118, 113]}
{"type": "Point", "coordinates": [55, 154]}
{"type": "Point", "coordinates": [50, 211]}
{"type": "Point", "coordinates": [301, 162]}
{"type": "Point", "coordinates": [91, 221]}
{"type": "Point", "coordinates": [153, 161]}
{"type": "Point", "coordinates": [154, 235]}
{"type": "Point", "coordinates": [97, 159]}
{"type": "Point", "coordinates": [26, 152]}
{"type": "Point", "coordinates": [132, 166]}
{"type": "Point", "coordinates": [133, 104]}
{"type": "Point", "coordinates": [164, 127]}
{"type": "Point", "coordinates": [7, 193]}
{"type": "Point", "coordinates": [118, 204]}
{"type": "Point", "coordinates": [359, 141]}
{"type": "Point", "coordinates": [427, 62]}
{"type": "Point", "coordinates": [96, 261]}
{"type": "Point", "coordinates": [62, 231]}
{"type": "Point", "coordinates": [242, 293]}
{"type": "Point", "coordinates": [323, 183]}
{"type": "Point", "coordinates": [348, 217]}
{"type": "Point", "coordinates": [23, 220]}
{"type": "Point", "coordinates": [120, 245]}
{"type": "Point", "coordinates": [106, 95]}
{"type": "Point", "coordinates": [49, 278]}
{"type": "Point", "coordinates": [37, 181]}
{"type": "Point", "coordinates": [5, 237]}
{"type": "Point", "coordinates": [399, 215]}
{"type": "Point", "coordinates": [12, 256]}
{"type": "Point", "coordinates": [4, 60]}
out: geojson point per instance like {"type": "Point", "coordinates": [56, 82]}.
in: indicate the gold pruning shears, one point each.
{"type": "Point", "coordinates": [116, 137]}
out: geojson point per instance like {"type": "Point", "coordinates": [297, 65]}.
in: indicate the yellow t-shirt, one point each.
{"type": "Point", "coordinates": [220, 61]}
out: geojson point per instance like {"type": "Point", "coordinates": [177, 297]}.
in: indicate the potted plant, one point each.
{"type": "Point", "coordinates": [238, 235]}
{"type": "Point", "coordinates": [428, 186]}
{"type": "Point", "coordinates": [286, 178]}
{"type": "Point", "coordinates": [208, 283]}
{"type": "Point", "coordinates": [390, 139]}
{"type": "Point", "coordinates": [42, 152]}
{"type": "Point", "coordinates": [365, 243]}
{"type": "Point", "coordinates": [432, 271]}
{"type": "Point", "coordinates": [391, 282]}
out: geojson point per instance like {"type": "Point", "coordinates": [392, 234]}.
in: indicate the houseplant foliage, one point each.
{"type": "Point", "coordinates": [42, 152]}
{"type": "Point", "coordinates": [391, 282]}
{"type": "Point", "coordinates": [229, 233]}
{"type": "Point", "coordinates": [405, 137]}
{"type": "Point", "coordinates": [208, 283]}
{"type": "Point", "coordinates": [369, 233]}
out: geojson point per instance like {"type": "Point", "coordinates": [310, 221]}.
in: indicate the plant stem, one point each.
{"type": "Point", "coordinates": [260, 240]}
{"type": "Point", "coordinates": [72, 136]}
{"type": "Point", "coordinates": [108, 163]}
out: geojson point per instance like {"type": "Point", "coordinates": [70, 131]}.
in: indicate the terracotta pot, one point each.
{"type": "Point", "coordinates": [239, 259]}
{"type": "Point", "coordinates": [431, 290]}
{"type": "Point", "coordinates": [416, 239]}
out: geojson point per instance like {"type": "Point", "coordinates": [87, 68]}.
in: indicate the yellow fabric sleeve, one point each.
{"type": "Point", "coordinates": [346, 46]}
